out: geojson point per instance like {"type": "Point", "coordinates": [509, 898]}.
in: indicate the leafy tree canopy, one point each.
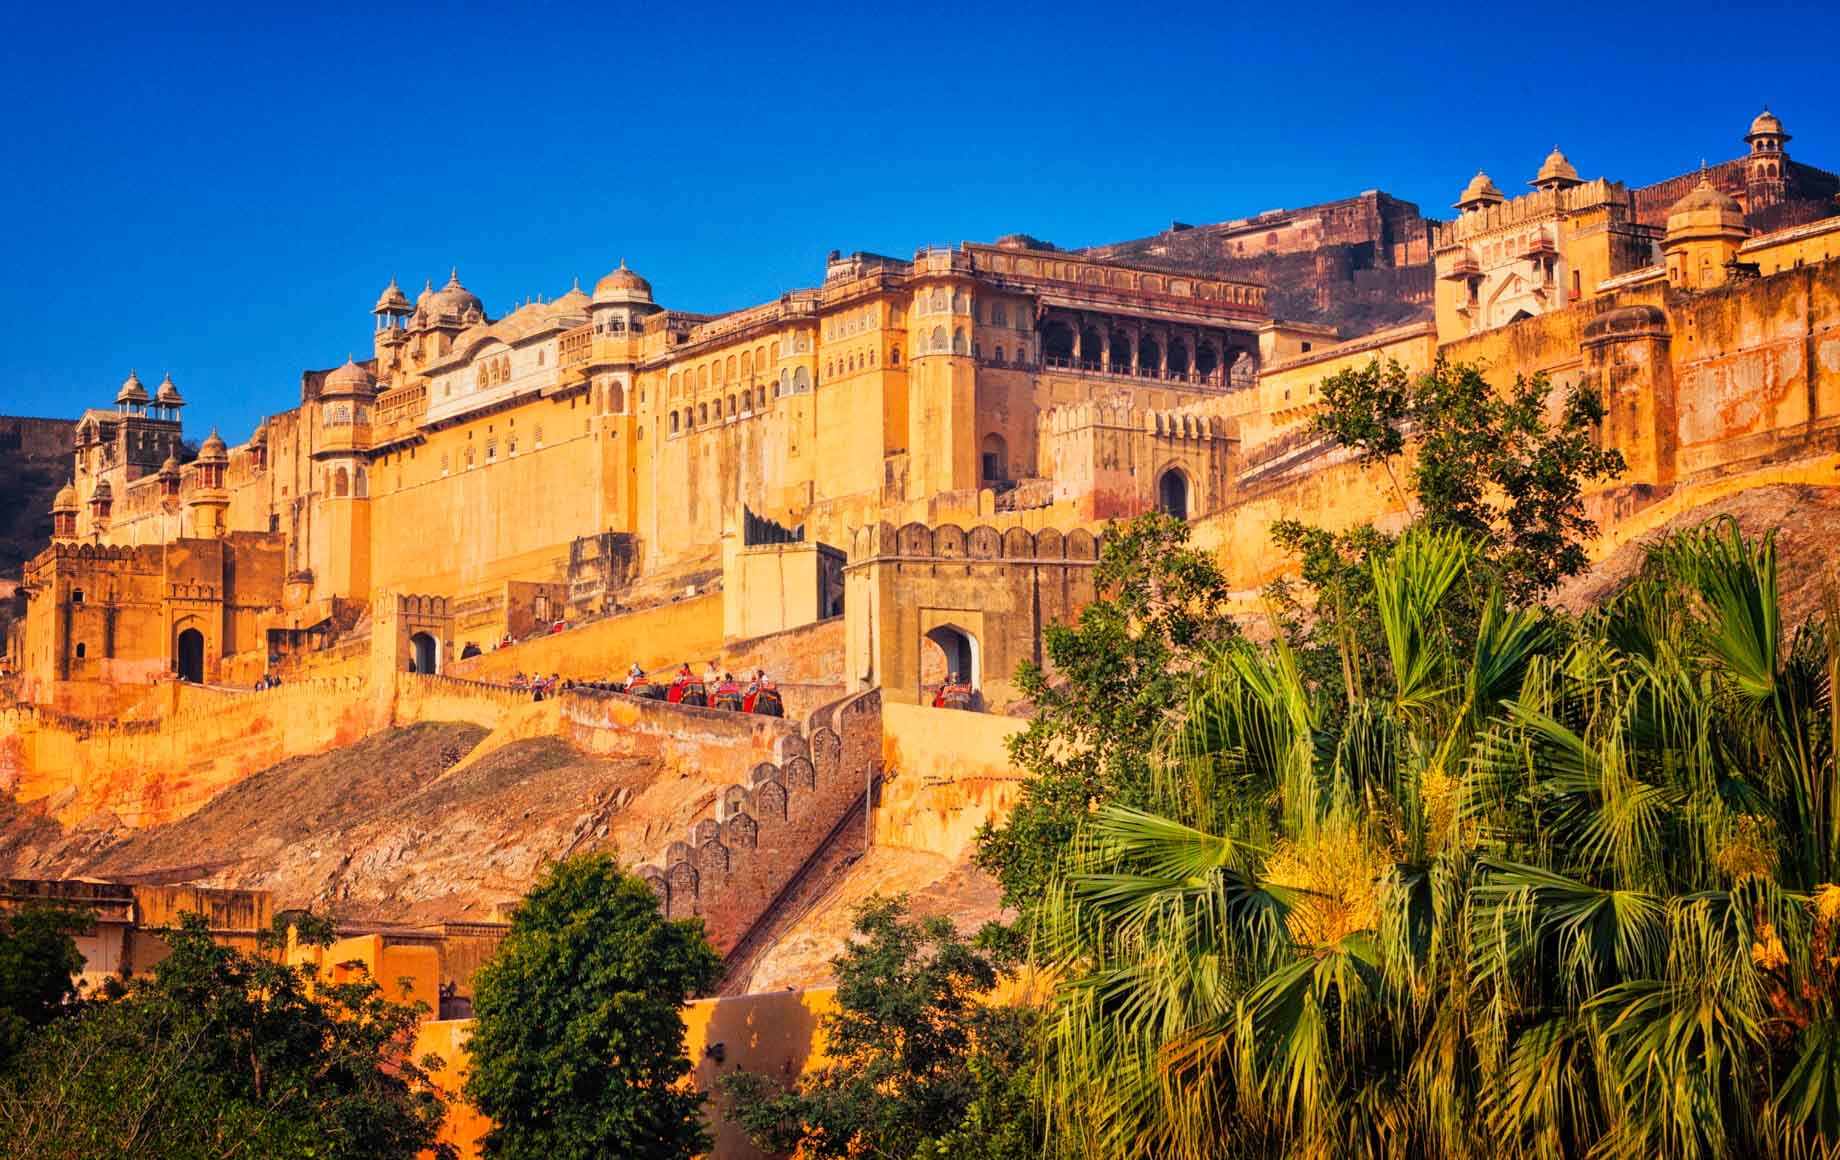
{"type": "Point", "coordinates": [578, 1035]}
{"type": "Point", "coordinates": [38, 960]}
{"type": "Point", "coordinates": [1111, 678]}
{"type": "Point", "coordinates": [919, 1067]}
{"type": "Point", "coordinates": [223, 1053]}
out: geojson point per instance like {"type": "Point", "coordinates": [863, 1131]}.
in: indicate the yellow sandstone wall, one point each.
{"type": "Point", "coordinates": [945, 773]}
{"type": "Point", "coordinates": [668, 634]}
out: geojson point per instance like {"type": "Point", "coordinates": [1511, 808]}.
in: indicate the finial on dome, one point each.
{"type": "Point", "coordinates": [578, 281]}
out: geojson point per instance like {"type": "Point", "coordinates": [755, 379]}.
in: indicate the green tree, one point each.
{"type": "Point", "coordinates": [578, 1034]}
{"type": "Point", "coordinates": [1111, 678]}
{"type": "Point", "coordinates": [225, 1053]}
{"type": "Point", "coordinates": [38, 964]}
{"type": "Point", "coordinates": [1487, 461]}
{"type": "Point", "coordinates": [1569, 889]}
{"type": "Point", "coordinates": [919, 1066]}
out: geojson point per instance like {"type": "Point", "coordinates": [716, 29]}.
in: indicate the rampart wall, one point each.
{"type": "Point", "coordinates": [730, 867]}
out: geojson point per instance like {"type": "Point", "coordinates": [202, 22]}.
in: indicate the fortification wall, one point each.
{"type": "Point", "coordinates": [947, 772]}
{"type": "Point", "coordinates": [156, 771]}
{"type": "Point", "coordinates": [681, 736]}
{"type": "Point", "coordinates": [667, 634]}
{"type": "Point", "coordinates": [732, 866]}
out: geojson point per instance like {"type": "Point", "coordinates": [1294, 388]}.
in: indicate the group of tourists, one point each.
{"type": "Point", "coordinates": [539, 685]}
{"type": "Point", "coordinates": [956, 693]}
{"type": "Point", "coordinates": [717, 688]}
{"type": "Point", "coordinates": [268, 681]}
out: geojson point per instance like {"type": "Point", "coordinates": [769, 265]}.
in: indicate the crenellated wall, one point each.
{"type": "Point", "coordinates": [731, 867]}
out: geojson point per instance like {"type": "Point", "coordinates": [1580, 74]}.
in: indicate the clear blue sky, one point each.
{"type": "Point", "coordinates": [222, 192]}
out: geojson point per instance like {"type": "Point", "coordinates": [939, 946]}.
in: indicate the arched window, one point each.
{"type": "Point", "coordinates": [673, 384]}
{"type": "Point", "coordinates": [939, 338]}
{"type": "Point", "coordinates": [673, 422]}
{"type": "Point", "coordinates": [341, 483]}
{"type": "Point", "coordinates": [747, 363]}
{"type": "Point", "coordinates": [994, 459]}
{"type": "Point", "coordinates": [801, 381]}
{"type": "Point", "coordinates": [958, 303]}
{"type": "Point", "coordinates": [894, 356]}
{"type": "Point", "coordinates": [80, 650]}
{"type": "Point", "coordinates": [958, 341]}
{"type": "Point", "coordinates": [760, 397]}
{"type": "Point", "coordinates": [616, 398]}
{"type": "Point", "coordinates": [363, 488]}
{"type": "Point", "coordinates": [731, 404]}
{"type": "Point", "coordinates": [1172, 494]}
{"type": "Point", "coordinates": [702, 412]}
{"type": "Point", "coordinates": [999, 356]}
{"type": "Point", "coordinates": [702, 376]}
{"type": "Point", "coordinates": [731, 367]}
{"type": "Point", "coordinates": [940, 302]}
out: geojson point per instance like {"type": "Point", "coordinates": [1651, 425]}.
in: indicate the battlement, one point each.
{"type": "Point", "coordinates": [732, 866]}
{"type": "Point", "coordinates": [1123, 416]}
{"type": "Point", "coordinates": [1539, 204]}
{"type": "Point", "coordinates": [917, 541]}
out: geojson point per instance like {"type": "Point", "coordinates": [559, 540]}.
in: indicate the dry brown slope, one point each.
{"type": "Point", "coordinates": [1806, 521]}
{"type": "Point", "coordinates": [376, 831]}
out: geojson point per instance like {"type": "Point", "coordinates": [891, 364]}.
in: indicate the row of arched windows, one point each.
{"type": "Point", "coordinates": [939, 302]}
{"type": "Point", "coordinates": [723, 370]}
{"type": "Point", "coordinates": [747, 402]}
{"type": "Point", "coordinates": [339, 484]}
{"type": "Point", "coordinates": [492, 372]}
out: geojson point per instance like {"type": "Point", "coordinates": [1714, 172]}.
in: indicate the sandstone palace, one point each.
{"type": "Point", "coordinates": [902, 470]}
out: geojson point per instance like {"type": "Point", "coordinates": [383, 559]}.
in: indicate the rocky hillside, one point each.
{"type": "Point", "coordinates": [378, 832]}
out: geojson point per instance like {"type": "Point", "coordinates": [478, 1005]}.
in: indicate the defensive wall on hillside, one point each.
{"type": "Point", "coordinates": [732, 865]}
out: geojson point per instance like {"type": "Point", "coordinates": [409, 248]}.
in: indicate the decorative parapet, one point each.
{"type": "Point", "coordinates": [732, 867]}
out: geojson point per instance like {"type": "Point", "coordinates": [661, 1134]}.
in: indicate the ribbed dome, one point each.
{"type": "Point", "coordinates": [454, 300]}
{"type": "Point", "coordinates": [1479, 191]}
{"type": "Point", "coordinates": [213, 449]}
{"type": "Point", "coordinates": [170, 467]}
{"type": "Point", "coordinates": [1766, 125]}
{"type": "Point", "coordinates": [131, 390]}
{"type": "Point", "coordinates": [167, 394]}
{"type": "Point", "coordinates": [1555, 170]}
{"type": "Point", "coordinates": [1706, 196]}
{"type": "Point", "coordinates": [392, 299]}
{"type": "Point", "coordinates": [575, 299]}
{"type": "Point", "coordinates": [65, 500]}
{"type": "Point", "coordinates": [102, 491]}
{"type": "Point", "coordinates": [350, 379]}
{"type": "Point", "coordinates": [622, 286]}
{"type": "Point", "coordinates": [427, 294]}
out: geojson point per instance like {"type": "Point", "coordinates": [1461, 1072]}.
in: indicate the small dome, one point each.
{"type": "Point", "coordinates": [131, 390]}
{"type": "Point", "coordinates": [1555, 170]}
{"type": "Point", "coordinates": [622, 286]}
{"type": "Point", "coordinates": [260, 438]}
{"type": "Point", "coordinates": [391, 300]}
{"type": "Point", "coordinates": [1706, 196]}
{"type": "Point", "coordinates": [575, 299]}
{"type": "Point", "coordinates": [1479, 192]}
{"type": "Point", "coordinates": [167, 394]}
{"type": "Point", "coordinates": [212, 449]}
{"type": "Point", "coordinates": [454, 300]}
{"type": "Point", "coordinates": [350, 379]}
{"type": "Point", "coordinates": [102, 492]}
{"type": "Point", "coordinates": [65, 500]}
{"type": "Point", "coordinates": [170, 467]}
{"type": "Point", "coordinates": [427, 294]}
{"type": "Point", "coordinates": [1766, 125]}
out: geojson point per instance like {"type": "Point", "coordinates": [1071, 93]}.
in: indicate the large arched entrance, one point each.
{"type": "Point", "coordinates": [424, 654]}
{"type": "Point", "coordinates": [951, 655]}
{"type": "Point", "coordinates": [190, 656]}
{"type": "Point", "coordinates": [993, 459]}
{"type": "Point", "coordinates": [1172, 494]}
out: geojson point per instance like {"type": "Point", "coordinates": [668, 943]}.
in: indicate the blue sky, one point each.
{"type": "Point", "coordinates": [222, 191]}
